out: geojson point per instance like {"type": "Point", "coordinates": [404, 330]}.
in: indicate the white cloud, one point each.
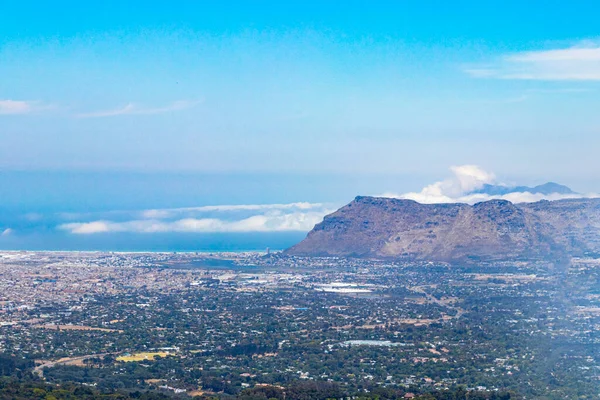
{"type": "Point", "coordinates": [300, 216]}
{"type": "Point", "coordinates": [172, 212]}
{"type": "Point", "coordinates": [7, 232]}
{"type": "Point", "coordinates": [134, 109]}
{"type": "Point", "coordinates": [21, 107]}
{"type": "Point", "coordinates": [15, 107]}
{"type": "Point", "coordinates": [469, 178]}
{"type": "Point", "coordinates": [577, 63]}
{"type": "Point", "coordinates": [466, 178]}
{"type": "Point", "coordinates": [271, 222]}
{"type": "Point", "coordinates": [87, 227]}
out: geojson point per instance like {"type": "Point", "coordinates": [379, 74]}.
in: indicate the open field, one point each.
{"type": "Point", "coordinates": [143, 356]}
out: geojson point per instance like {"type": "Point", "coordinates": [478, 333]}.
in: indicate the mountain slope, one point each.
{"type": "Point", "coordinates": [492, 230]}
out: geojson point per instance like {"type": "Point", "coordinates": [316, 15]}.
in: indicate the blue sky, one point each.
{"type": "Point", "coordinates": [141, 105]}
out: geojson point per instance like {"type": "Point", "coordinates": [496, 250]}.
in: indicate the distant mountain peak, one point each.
{"type": "Point", "coordinates": [552, 187]}
{"type": "Point", "coordinates": [545, 189]}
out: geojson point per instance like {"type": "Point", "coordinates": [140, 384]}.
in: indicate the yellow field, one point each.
{"type": "Point", "coordinates": [147, 356]}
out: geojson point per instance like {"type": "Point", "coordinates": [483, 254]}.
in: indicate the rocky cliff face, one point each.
{"type": "Point", "coordinates": [492, 230]}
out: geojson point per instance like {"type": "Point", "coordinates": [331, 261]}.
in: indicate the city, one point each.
{"type": "Point", "coordinates": [195, 324]}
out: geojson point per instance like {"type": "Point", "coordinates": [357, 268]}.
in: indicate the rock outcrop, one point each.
{"type": "Point", "coordinates": [492, 230]}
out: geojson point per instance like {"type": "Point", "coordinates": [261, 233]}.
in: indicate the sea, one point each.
{"type": "Point", "coordinates": [168, 242]}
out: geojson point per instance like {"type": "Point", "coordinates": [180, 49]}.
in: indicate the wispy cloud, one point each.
{"type": "Point", "coordinates": [16, 107]}
{"type": "Point", "coordinates": [207, 219]}
{"type": "Point", "coordinates": [6, 232]}
{"type": "Point", "coordinates": [272, 222]}
{"type": "Point", "coordinates": [173, 212]}
{"type": "Point", "coordinates": [136, 109]}
{"type": "Point", "coordinates": [576, 63]}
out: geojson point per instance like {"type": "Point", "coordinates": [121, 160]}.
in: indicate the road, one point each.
{"type": "Point", "coordinates": [39, 370]}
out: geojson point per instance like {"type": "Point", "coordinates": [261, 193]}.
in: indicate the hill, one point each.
{"type": "Point", "coordinates": [493, 230]}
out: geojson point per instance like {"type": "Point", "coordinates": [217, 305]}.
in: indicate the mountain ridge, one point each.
{"type": "Point", "coordinates": [387, 228]}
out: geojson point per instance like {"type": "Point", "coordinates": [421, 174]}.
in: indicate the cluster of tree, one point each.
{"type": "Point", "coordinates": [312, 390]}
{"type": "Point", "coordinates": [13, 366]}
{"type": "Point", "coordinates": [14, 389]}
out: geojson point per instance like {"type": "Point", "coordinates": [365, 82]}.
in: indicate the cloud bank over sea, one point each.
{"type": "Point", "coordinates": [206, 219]}
{"type": "Point", "coordinates": [466, 184]}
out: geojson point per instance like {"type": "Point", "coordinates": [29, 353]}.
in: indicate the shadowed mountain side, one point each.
{"type": "Point", "coordinates": [491, 230]}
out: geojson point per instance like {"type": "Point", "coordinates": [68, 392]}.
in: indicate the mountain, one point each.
{"type": "Point", "coordinates": [493, 230]}
{"type": "Point", "coordinates": [546, 189]}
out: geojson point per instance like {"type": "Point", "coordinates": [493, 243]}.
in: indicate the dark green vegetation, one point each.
{"type": "Point", "coordinates": [12, 389]}
{"type": "Point", "coordinates": [14, 366]}
{"type": "Point", "coordinates": [436, 331]}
